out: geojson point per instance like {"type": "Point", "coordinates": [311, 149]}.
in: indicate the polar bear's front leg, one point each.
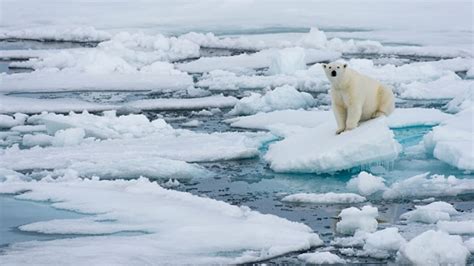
{"type": "Point", "coordinates": [354, 113]}
{"type": "Point", "coordinates": [340, 113]}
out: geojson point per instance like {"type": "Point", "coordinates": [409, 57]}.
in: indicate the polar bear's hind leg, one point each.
{"type": "Point", "coordinates": [386, 102]}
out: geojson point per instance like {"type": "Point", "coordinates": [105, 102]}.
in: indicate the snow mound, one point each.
{"type": "Point", "coordinates": [354, 219]}
{"type": "Point", "coordinates": [329, 197]}
{"type": "Point", "coordinates": [319, 149]}
{"type": "Point", "coordinates": [7, 121]}
{"type": "Point", "coordinates": [431, 213]}
{"type": "Point", "coordinates": [366, 184]}
{"type": "Point", "coordinates": [285, 97]}
{"type": "Point", "coordinates": [434, 248]}
{"type": "Point", "coordinates": [453, 142]}
{"type": "Point", "coordinates": [321, 258]}
{"type": "Point", "coordinates": [173, 223]}
{"type": "Point", "coordinates": [422, 186]}
{"type": "Point", "coordinates": [382, 243]}
{"type": "Point", "coordinates": [288, 61]}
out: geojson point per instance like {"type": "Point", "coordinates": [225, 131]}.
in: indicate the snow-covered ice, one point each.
{"type": "Point", "coordinates": [434, 248]}
{"type": "Point", "coordinates": [354, 219]}
{"type": "Point", "coordinates": [246, 62]}
{"type": "Point", "coordinates": [380, 243]}
{"type": "Point", "coordinates": [453, 141]}
{"type": "Point", "coordinates": [288, 61]}
{"type": "Point", "coordinates": [424, 185]}
{"type": "Point", "coordinates": [11, 104]}
{"type": "Point", "coordinates": [321, 258]}
{"type": "Point", "coordinates": [401, 117]}
{"type": "Point", "coordinates": [173, 226]}
{"type": "Point", "coordinates": [431, 213]}
{"type": "Point", "coordinates": [329, 197]}
{"type": "Point", "coordinates": [366, 183]}
{"type": "Point", "coordinates": [281, 98]}
{"type": "Point", "coordinates": [319, 149]}
{"type": "Point", "coordinates": [456, 227]}
{"type": "Point", "coordinates": [215, 101]}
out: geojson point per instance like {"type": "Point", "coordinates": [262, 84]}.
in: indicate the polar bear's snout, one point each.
{"type": "Point", "coordinates": [334, 73]}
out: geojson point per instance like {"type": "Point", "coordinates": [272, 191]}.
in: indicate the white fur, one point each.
{"type": "Point", "coordinates": [356, 97]}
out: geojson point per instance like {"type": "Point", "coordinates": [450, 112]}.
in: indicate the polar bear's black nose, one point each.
{"type": "Point", "coordinates": [333, 73]}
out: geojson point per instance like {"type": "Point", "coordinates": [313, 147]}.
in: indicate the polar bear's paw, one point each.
{"type": "Point", "coordinates": [378, 114]}
{"type": "Point", "coordinates": [340, 130]}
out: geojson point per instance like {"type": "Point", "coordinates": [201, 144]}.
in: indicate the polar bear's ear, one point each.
{"type": "Point", "coordinates": [345, 65]}
{"type": "Point", "coordinates": [325, 65]}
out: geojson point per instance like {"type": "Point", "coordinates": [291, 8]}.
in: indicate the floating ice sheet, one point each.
{"type": "Point", "coordinates": [173, 225]}
{"type": "Point", "coordinates": [453, 141]}
{"type": "Point", "coordinates": [319, 149]}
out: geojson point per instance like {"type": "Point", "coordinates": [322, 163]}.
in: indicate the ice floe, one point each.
{"type": "Point", "coordinates": [354, 219]}
{"type": "Point", "coordinates": [424, 185]}
{"type": "Point", "coordinates": [456, 227]}
{"type": "Point", "coordinates": [431, 213]}
{"type": "Point", "coordinates": [434, 248]}
{"type": "Point", "coordinates": [281, 98]}
{"type": "Point", "coordinates": [17, 119]}
{"type": "Point", "coordinates": [215, 101]}
{"type": "Point", "coordinates": [319, 149]}
{"type": "Point", "coordinates": [366, 184]}
{"type": "Point", "coordinates": [244, 62]}
{"type": "Point", "coordinates": [323, 198]}
{"type": "Point", "coordinates": [381, 244]}
{"type": "Point", "coordinates": [401, 117]}
{"type": "Point", "coordinates": [321, 258]}
{"type": "Point", "coordinates": [453, 141]}
{"type": "Point", "coordinates": [89, 144]}
{"type": "Point", "coordinates": [172, 225]}
{"type": "Point", "coordinates": [288, 61]}
{"type": "Point", "coordinates": [11, 104]}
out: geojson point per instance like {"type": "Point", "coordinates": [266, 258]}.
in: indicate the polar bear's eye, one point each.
{"type": "Point", "coordinates": [337, 67]}
{"type": "Point", "coordinates": [329, 67]}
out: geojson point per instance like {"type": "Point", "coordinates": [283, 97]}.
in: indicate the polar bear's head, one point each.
{"type": "Point", "coordinates": [335, 71]}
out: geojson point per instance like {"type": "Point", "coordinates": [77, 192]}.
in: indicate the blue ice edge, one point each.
{"type": "Point", "coordinates": [18, 212]}
{"type": "Point", "coordinates": [406, 136]}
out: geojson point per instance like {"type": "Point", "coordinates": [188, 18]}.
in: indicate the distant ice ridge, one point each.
{"type": "Point", "coordinates": [453, 141]}
{"type": "Point", "coordinates": [75, 34]}
{"type": "Point", "coordinates": [88, 144]}
{"type": "Point", "coordinates": [173, 225]}
{"type": "Point", "coordinates": [262, 59]}
{"type": "Point", "coordinates": [281, 98]}
{"type": "Point", "coordinates": [421, 80]}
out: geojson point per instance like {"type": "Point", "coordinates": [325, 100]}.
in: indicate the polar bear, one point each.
{"type": "Point", "coordinates": [356, 97]}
